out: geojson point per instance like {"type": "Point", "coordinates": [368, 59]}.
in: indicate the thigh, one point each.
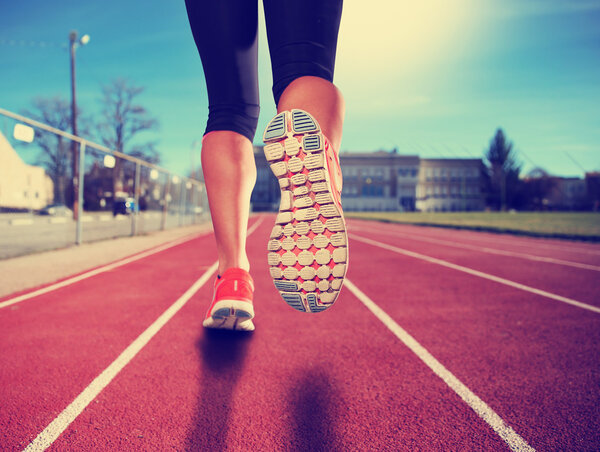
{"type": "Point", "coordinates": [302, 38]}
{"type": "Point", "coordinates": [225, 32]}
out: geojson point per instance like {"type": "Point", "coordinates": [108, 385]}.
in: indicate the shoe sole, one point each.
{"type": "Point", "coordinates": [231, 315]}
{"type": "Point", "coordinates": [308, 247]}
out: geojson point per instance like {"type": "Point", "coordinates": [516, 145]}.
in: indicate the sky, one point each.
{"type": "Point", "coordinates": [433, 78]}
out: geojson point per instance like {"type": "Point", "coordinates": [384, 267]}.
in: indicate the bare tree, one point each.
{"type": "Point", "coordinates": [122, 120]}
{"type": "Point", "coordinates": [537, 186]}
{"type": "Point", "coordinates": [55, 153]}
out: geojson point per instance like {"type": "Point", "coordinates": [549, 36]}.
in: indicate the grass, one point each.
{"type": "Point", "coordinates": [569, 225]}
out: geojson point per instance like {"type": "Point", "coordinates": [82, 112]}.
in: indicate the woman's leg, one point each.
{"type": "Point", "coordinates": [302, 43]}
{"type": "Point", "coordinates": [225, 32]}
{"type": "Point", "coordinates": [308, 250]}
{"type": "Point", "coordinates": [229, 175]}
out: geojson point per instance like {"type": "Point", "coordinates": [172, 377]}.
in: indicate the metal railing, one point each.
{"type": "Point", "coordinates": [152, 197]}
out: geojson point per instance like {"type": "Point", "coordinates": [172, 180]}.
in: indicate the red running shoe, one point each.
{"type": "Point", "coordinates": [308, 249]}
{"type": "Point", "coordinates": [231, 307]}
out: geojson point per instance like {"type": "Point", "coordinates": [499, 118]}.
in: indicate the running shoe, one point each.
{"type": "Point", "coordinates": [308, 248]}
{"type": "Point", "coordinates": [231, 307]}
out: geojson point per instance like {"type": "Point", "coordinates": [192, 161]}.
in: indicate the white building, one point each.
{"type": "Point", "coordinates": [450, 185]}
{"type": "Point", "coordinates": [379, 181]}
{"type": "Point", "coordinates": [390, 181]}
{"type": "Point", "coordinates": [22, 186]}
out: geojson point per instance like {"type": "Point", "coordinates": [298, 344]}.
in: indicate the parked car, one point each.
{"type": "Point", "coordinates": [124, 206]}
{"type": "Point", "coordinates": [56, 210]}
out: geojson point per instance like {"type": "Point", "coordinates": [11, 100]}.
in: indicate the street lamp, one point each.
{"type": "Point", "coordinates": [193, 174]}
{"type": "Point", "coordinates": [73, 44]}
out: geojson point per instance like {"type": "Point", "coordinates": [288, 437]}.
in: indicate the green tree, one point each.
{"type": "Point", "coordinates": [504, 186]}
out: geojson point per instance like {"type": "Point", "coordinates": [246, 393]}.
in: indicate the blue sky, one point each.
{"type": "Point", "coordinates": [434, 79]}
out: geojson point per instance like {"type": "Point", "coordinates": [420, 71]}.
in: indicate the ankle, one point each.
{"type": "Point", "coordinates": [225, 265]}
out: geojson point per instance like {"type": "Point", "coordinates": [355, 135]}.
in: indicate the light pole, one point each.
{"type": "Point", "coordinates": [193, 174]}
{"type": "Point", "coordinates": [73, 44]}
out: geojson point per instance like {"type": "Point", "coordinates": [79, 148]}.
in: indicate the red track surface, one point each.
{"type": "Point", "coordinates": [338, 380]}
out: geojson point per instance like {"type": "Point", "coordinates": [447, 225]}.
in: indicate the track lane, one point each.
{"type": "Point", "coordinates": [54, 345]}
{"type": "Point", "coordinates": [498, 251]}
{"type": "Point", "coordinates": [342, 368]}
{"type": "Point", "coordinates": [337, 380]}
{"type": "Point", "coordinates": [582, 285]}
{"type": "Point", "coordinates": [584, 252]}
{"type": "Point", "coordinates": [483, 410]}
{"type": "Point", "coordinates": [534, 363]}
{"type": "Point", "coordinates": [29, 293]}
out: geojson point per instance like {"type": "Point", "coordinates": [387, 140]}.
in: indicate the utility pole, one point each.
{"type": "Point", "coordinates": [73, 43]}
{"type": "Point", "coordinates": [193, 173]}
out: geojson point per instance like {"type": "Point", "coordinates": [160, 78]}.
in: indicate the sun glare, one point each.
{"type": "Point", "coordinates": [383, 38]}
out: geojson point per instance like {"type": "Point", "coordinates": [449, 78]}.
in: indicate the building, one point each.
{"type": "Point", "coordinates": [389, 181]}
{"type": "Point", "coordinates": [450, 185]}
{"type": "Point", "coordinates": [22, 186]}
{"type": "Point", "coordinates": [265, 196]}
{"type": "Point", "coordinates": [372, 181]}
{"type": "Point", "coordinates": [567, 193]}
{"type": "Point", "coordinates": [407, 175]}
{"type": "Point", "coordinates": [592, 188]}
{"type": "Point", "coordinates": [379, 181]}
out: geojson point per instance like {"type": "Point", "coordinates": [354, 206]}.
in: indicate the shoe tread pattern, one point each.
{"type": "Point", "coordinates": [308, 247]}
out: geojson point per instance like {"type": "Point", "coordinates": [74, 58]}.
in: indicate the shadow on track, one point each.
{"type": "Point", "coordinates": [222, 354]}
{"type": "Point", "coordinates": [314, 404]}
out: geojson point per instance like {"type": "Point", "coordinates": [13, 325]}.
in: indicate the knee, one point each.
{"type": "Point", "coordinates": [239, 118]}
{"type": "Point", "coordinates": [299, 61]}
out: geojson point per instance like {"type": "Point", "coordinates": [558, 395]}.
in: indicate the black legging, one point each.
{"type": "Point", "coordinates": [302, 37]}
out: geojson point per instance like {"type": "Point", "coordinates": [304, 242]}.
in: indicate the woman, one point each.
{"type": "Point", "coordinates": [308, 246]}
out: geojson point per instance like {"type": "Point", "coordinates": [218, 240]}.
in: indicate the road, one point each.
{"type": "Point", "coordinates": [24, 233]}
{"type": "Point", "coordinates": [440, 340]}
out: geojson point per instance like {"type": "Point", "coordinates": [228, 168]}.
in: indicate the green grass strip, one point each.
{"type": "Point", "coordinates": [565, 225]}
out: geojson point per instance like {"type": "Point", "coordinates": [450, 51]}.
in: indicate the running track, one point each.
{"type": "Point", "coordinates": [441, 340]}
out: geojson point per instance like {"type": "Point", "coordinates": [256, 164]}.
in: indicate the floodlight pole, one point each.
{"type": "Point", "coordinates": [74, 153]}
{"type": "Point", "coordinates": [73, 43]}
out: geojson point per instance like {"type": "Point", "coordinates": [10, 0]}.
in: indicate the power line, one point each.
{"type": "Point", "coordinates": [23, 43]}
{"type": "Point", "coordinates": [575, 161]}
{"type": "Point", "coordinates": [414, 148]}
{"type": "Point", "coordinates": [528, 159]}
{"type": "Point", "coordinates": [452, 153]}
{"type": "Point", "coordinates": [419, 148]}
{"type": "Point", "coordinates": [437, 151]}
{"type": "Point", "coordinates": [468, 152]}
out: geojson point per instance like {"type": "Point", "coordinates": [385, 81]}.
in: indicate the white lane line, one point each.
{"type": "Point", "coordinates": [573, 248]}
{"type": "Point", "coordinates": [512, 438]}
{"type": "Point", "coordinates": [70, 413]}
{"type": "Point", "coordinates": [530, 257]}
{"type": "Point", "coordinates": [472, 235]}
{"type": "Point", "coordinates": [252, 228]}
{"type": "Point", "coordinates": [76, 407]}
{"type": "Point", "coordinates": [470, 271]}
{"type": "Point", "coordinates": [96, 271]}
{"type": "Point", "coordinates": [20, 222]}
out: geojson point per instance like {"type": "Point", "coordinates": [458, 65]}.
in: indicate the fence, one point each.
{"type": "Point", "coordinates": [85, 191]}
